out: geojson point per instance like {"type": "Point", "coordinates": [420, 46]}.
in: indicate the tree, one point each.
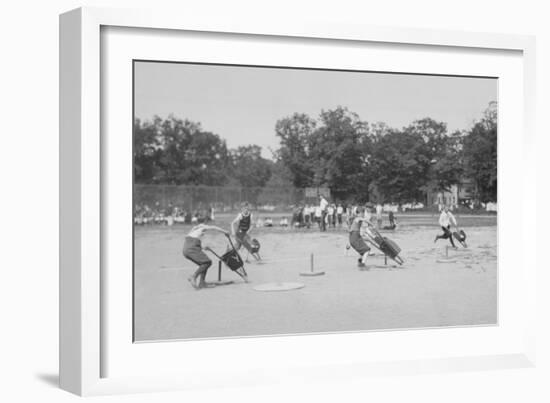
{"type": "Point", "coordinates": [443, 151]}
{"type": "Point", "coordinates": [480, 155]}
{"type": "Point", "coordinates": [434, 135]}
{"type": "Point", "coordinates": [447, 166]}
{"type": "Point", "coordinates": [339, 150]}
{"type": "Point", "coordinates": [295, 135]}
{"type": "Point", "coordinates": [333, 152]}
{"type": "Point", "coordinates": [250, 169]}
{"type": "Point", "coordinates": [400, 164]}
{"type": "Point", "coordinates": [378, 130]}
{"type": "Point", "coordinates": [146, 150]}
{"type": "Point", "coordinates": [175, 151]}
{"type": "Point", "coordinates": [279, 189]}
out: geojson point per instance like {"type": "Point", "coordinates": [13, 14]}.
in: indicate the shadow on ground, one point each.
{"type": "Point", "coordinates": [49, 379]}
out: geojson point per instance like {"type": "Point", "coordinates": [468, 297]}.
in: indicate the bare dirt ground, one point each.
{"type": "Point", "coordinates": [421, 293]}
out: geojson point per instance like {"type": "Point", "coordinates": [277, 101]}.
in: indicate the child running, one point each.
{"type": "Point", "coordinates": [356, 240]}
{"type": "Point", "coordinates": [192, 250]}
{"type": "Point", "coordinates": [445, 220]}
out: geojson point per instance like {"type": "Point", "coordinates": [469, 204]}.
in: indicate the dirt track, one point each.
{"type": "Point", "coordinates": [422, 293]}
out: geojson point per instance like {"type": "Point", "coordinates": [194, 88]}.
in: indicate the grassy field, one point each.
{"type": "Point", "coordinates": [421, 293]}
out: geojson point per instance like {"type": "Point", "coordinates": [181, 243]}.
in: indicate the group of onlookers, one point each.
{"type": "Point", "coordinates": [373, 214]}
{"type": "Point", "coordinates": [324, 215]}
{"type": "Point", "coordinates": [170, 215]}
{"type": "Point", "coordinates": [336, 215]}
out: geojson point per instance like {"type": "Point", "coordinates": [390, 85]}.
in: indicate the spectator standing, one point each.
{"type": "Point", "coordinates": [323, 205]}
{"type": "Point", "coordinates": [378, 216]}
{"type": "Point", "coordinates": [339, 214]}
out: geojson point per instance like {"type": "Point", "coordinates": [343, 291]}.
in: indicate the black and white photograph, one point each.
{"type": "Point", "coordinates": [273, 200]}
{"type": "Point", "coordinates": [305, 201]}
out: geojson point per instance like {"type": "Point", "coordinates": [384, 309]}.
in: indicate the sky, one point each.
{"type": "Point", "coordinates": [242, 104]}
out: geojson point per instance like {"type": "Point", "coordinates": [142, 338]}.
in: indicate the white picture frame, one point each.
{"type": "Point", "coordinates": [82, 308]}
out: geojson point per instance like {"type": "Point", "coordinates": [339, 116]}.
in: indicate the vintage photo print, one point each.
{"type": "Point", "coordinates": [272, 200]}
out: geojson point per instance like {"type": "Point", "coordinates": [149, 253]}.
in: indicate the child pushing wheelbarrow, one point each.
{"type": "Point", "coordinates": [240, 228]}
{"type": "Point", "coordinates": [362, 232]}
{"type": "Point", "coordinates": [193, 251]}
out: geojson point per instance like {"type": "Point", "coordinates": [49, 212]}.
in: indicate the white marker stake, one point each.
{"type": "Point", "coordinates": [312, 271]}
{"type": "Point", "coordinates": [446, 259]}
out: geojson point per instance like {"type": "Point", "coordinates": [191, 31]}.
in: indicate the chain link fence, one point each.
{"type": "Point", "coordinates": [222, 198]}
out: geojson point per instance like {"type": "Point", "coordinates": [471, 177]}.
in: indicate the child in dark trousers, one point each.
{"type": "Point", "coordinates": [445, 220]}
{"type": "Point", "coordinates": [192, 250]}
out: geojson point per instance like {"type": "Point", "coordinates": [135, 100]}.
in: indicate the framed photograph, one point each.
{"type": "Point", "coordinates": [248, 202]}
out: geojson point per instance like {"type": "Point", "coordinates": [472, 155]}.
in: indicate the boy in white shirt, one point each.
{"type": "Point", "coordinates": [323, 204]}
{"type": "Point", "coordinates": [339, 214]}
{"type": "Point", "coordinates": [445, 220]}
{"type": "Point", "coordinates": [330, 214]}
{"type": "Point", "coordinates": [318, 216]}
{"type": "Point", "coordinates": [379, 216]}
{"type": "Point", "coordinates": [307, 215]}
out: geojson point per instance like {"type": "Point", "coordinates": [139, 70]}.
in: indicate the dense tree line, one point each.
{"type": "Point", "coordinates": [179, 152]}
{"type": "Point", "coordinates": [357, 160]}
